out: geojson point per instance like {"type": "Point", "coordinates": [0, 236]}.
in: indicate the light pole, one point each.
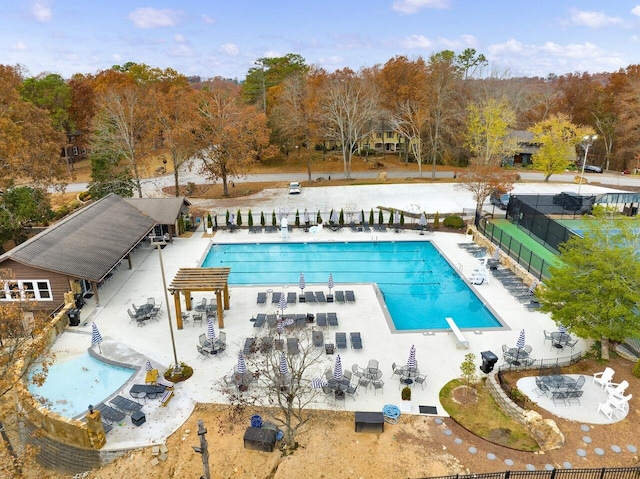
{"type": "Point", "coordinates": [177, 369]}
{"type": "Point", "coordinates": [586, 143]}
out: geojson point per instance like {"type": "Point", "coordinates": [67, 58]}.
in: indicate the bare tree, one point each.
{"type": "Point", "coordinates": [284, 397]}
{"type": "Point", "coordinates": [349, 105]}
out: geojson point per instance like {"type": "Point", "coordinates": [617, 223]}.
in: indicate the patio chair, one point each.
{"type": "Point", "coordinates": [607, 409]}
{"type": "Point", "coordinates": [579, 383]}
{"type": "Point", "coordinates": [603, 378]}
{"type": "Point", "coordinates": [291, 298]}
{"type": "Point", "coordinates": [350, 296]}
{"type": "Point", "coordinates": [364, 382]}
{"type": "Point", "coordinates": [321, 319]}
{"type": "Point", "coordinates": [357, 371]}
{"type": "Point", "coordinates": [356, 340]}
{"type": "Point", "coordinates": [317, 338]}
{"type": "Point", "coordinates": [202, 352]}
{"type": "Point", "coordinates": [332, 319]}
{"type": "Point", "coordinates": [259, 320]}
{"type": "Point", "coordinates": [547, 336]}
{"type": "Point", "coordinates": [262, 298]}
{"type": "Point", "coordinates": [572, 344]}
{"type": "Point", "coordinates": [197, 318]}
{"type": "Point", "coordinates": [420, 379]}
{"type": "Point", "coordinates": [621, 403]}
{"type": "Point", "coordinates": [559, 397]}
{"type": "Point", "coordinates": [617, 390]}
{"type": "Point", "coordinates": [221, 341]}
{"type": "Point", "coordinates": [352, 390]}
{"type": "Point", "coordinates": [574, 395]}
{"type": "Point", "coordinates": [372, 365]}
{"type": "Point", "coordinates": [341, 340]}
{"type": "Point", "coordinates": [397, 371]}
{"type": "Point", "coordinates": [377, 384]}
{"type": "Point", "coordinates": [293, 346]}
{"type": "Point", "coordinates": [201, 306]}
{"type": "Point", "coordinates": [125, 405]}
{"type": "Point", "coordinates": [339, 296]}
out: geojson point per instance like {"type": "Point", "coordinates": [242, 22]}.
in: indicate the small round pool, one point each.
{"type": "Point", "coordinates": [73, 382]}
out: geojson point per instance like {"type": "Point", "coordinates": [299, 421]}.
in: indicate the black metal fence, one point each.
{"type": "Point", "coordinates": [524, 256]}
{"type": "Point", "coordinates": [596, 473]}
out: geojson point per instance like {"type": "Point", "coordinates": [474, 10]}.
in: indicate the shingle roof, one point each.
{"type": "Point", "coordinates": [88, 243]}
{"type": "Point", "coordinates": [164, 211]}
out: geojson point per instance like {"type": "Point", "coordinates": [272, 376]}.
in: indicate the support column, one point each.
{"type": "Point", "coordinates": [176, 301]}
{"type": "Point", "coordinates": [94, 288]}
{"type": "Point", "coordinates": [220, 309]}
{"type": "Point", "coordinates": [226, 296]}
{"type": "Point", "coordinates": [187, 300]}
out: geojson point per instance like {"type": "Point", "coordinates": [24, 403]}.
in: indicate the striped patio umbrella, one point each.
{"type": "Point", "coordinates": [305, 217]}
{"type": "Point", "coordinates": [96, 337]}
{"type": "Point", "coordinates": [288, 322]}
{"type": "Point", "coordinates": [148, 366]}
{"type": "Point", "coordinates": [302, 285]}
{"type": "Point", "coordinates": [335, 219]}
{"type": "Point", "coordinates": [211, 332]}
{"type": "Point", "coordinates": [284, 367]}
{"type": "Point", "coordinates": [561, 328]}
{"type": "Point", "coordinates": [337, 368]}
{"type": "Point", "coordinates": [520, 342]}
{"type": "Point", "coordinates": [396, 218]}
{"type": "Point", "coordinates": [318, 383]}
{"type": "Point", "coordinates": [411, 362]}
{"type": "Point", "coordinates": [532, 288]}
{"type": "Point", "coordinates": [282, 304]}
{"type": "Point", "coordinates": [330, 282]}
{"type": "Point", "coordinates": [422, 222]}
{"type": "Point", "coordinates": [242, 366]}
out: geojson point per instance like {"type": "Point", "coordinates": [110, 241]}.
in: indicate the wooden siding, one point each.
{"type": "Point", "coordinates": [59, 283]}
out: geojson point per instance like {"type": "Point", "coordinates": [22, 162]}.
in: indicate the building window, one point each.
{"type": "Point", "coordinates": [26, 290]}
{"type": "Point", "coordinates": [390, 134]}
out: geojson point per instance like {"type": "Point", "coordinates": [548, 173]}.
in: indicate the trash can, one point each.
{"type": "Point", "coordinates": [489, 360]}
{"type": "Point", "coordinates": [74, 316]}
{"type": "Point", "coordinates": [79, 300]}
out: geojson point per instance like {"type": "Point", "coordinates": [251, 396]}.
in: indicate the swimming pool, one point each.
{"type": "Point", "coordinates": [420, 288]}
{"type": "Point", "coordinates": [74, 382]}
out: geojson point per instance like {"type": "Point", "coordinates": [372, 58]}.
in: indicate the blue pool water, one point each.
{"type": "Point", "coordinates": [74, 382]}
{"type": "Point", "coordinates": [420, 288]}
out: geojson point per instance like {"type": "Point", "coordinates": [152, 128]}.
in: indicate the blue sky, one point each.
{"type": "Point", "coordinates": [224, 37]}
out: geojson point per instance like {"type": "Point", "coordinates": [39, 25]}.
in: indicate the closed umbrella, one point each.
{"type": "Point", "coordinates": [306, 218]}
{"type": "Point", "coordinates": [337, 369]}
{"type": "Point", "coordinates": [422, 222]}
{"type": "Point", "coordinates": [302, 284]}
{"type": "Point", "coordinates": [561, 328]}
{"type": "Point", "coordinates": [519, 346]}
{"type": "Point", "coordinates": [330, 282]}
{"type": "Point", "coordinates": [148, 366]}
{"type": "Point", "coordinates": [334, 217]}
{"type": "Point", "coordinates": [242, 366]}
{"type": "Point", "coordinates": [412, 364]}
{"type": "Point", "coordinates": [211, 332]}
{"type": "Point", "coordinates": [282, 304]}
{"type": "Point", "coordinates": [396, 218]}
{"type": "Point", "coordinates": [96, 337]}
{"type": "Point", "coordinates": [284, 367]}
{"type": "Point", "coordinates": [280, 327]}
{"type": "Point", "coordinates": [318, 383]}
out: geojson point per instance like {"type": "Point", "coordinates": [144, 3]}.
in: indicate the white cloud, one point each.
{"type": "Point", "coordinates": [179, 38]}
{"type": "Point", "coordinates": [229, 49]}
{"type": "Point", "coordinates": [416, 41]}
{"type": "Point", "coordinates": [207, 19]}
{"type": "Point", "coordinates": [593, 19]}
{"type": "Point", "coordinates": [414, 6]}
{"type": "Point", "coordinates": [19, 46]}
{"type": "Point", "coordinates": [149, 17]}
{"type": "Point", "coordinates": [41, 10]}
{"type": "Point", "coordinates": [465, 41]}
{"type": "Point", "coordinates": [636, 10]}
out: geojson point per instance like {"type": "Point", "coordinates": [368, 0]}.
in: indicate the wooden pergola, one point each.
{"type": "Point", "coordinates": [200, 279]}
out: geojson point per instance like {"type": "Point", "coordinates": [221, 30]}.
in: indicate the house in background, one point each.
{"type": "Point", "coordinates": [525, 150]}
{"type": "Point", "coordinates": [82, 251]}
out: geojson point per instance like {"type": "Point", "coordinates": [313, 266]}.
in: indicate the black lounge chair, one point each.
{"type": "Point", "coordinates": [262, 298]}
{"type": "Point", "coordinates": [259, 321]}
{"type": "Point", "coordinates": [249, 346]}
{"type": "Point", "coordinates": [382, 228]}
{"type": "Point", "coordinates": [350, 296]}
{"type": "Point", "coordinates": [272, 320]}
{"type": "Point", "coordinates": [110, 414]}
{"type": "Point", "coordinates": [291, 298]}
{"type": "Point", "coordinates": [339, 296]}
{"type": "Point", "coordinates": [146, 391]}
{"type": "Point", "coordinates": [320, 298]}
{"type": "Point", "coordinates": [318, 339]}
{"type": "Point", "coordinates": [275, 298]}
{"type": "Point", "coordinates": [321, 319]}
{"type": "Point", "coordinates": [125, 405]}
{"type": "Point", "coordinates": [310, 297]}
{"type": "Point", "coordinates": [292, 346]}
{"type": "Point", "coordinates": [332, 319]}
{"type": "Point", "coordinates": [341, 340]}
{"type": "Point", "coordinates": [356, 340]}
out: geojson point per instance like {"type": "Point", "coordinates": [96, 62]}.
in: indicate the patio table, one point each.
{"type": "Point", "coordinates": [560, 339]}
{"type": "Point", "coordinates": [558, 382]}
{"type": "Point", "coordinates": [516, 356]}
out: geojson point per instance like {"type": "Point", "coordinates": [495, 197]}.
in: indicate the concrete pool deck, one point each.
{"type": "Point", "coordinates": [436, 353]}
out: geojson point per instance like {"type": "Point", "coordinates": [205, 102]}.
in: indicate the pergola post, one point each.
{"type": "Point", "coordinates": [187, 300]}
{"type": "Point", "coordinates": [220, 309]}
{"type": "Point", "coordinates": [226, 296]}
{"type": "Point", "coordinates": [176, 301]}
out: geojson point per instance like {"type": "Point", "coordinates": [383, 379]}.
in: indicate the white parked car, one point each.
{"type": "Point", "coordinates": [294, 188]}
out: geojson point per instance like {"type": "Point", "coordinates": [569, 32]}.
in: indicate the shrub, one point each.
{"type": "Point", "coordinates": [406, 393]}
{"type": "Point", "coordinates": [239, 219]}
{"type": "Point", "coordinates": [341, 217]}
{"type": "Point", "coordinates": [636, 369]}
{"type": "Point", "coordinates": [371, 217]}
{"type": "Point", "coordinates": [187, 372]}
{"type": "Point", "coordinates": [250, 218]}
{"type": "Point", "coordinates": [297, 218]}
{"type": "Point", "coordinates": [436, 221]}
{"type": "Point", "coordinates": [453, 221]}
{"type": "Point", "coordinates": [209, 221]}
{"type": "Point", "coordinates": [263, 222]}
{"type": "Point", "coordinates": [380, 217]}
{"type": "Point", "coordinates": [274, 220]}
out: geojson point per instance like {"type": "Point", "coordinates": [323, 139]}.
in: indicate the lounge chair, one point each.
{"type": "Point", "coordinates": [339, 296]}
{"type": "Point", "coordinates": [356, 340]}
{"type": "Point", "coordinates": [110, 414]}
{"type": "Point", "coordinates": [309, 297]}
{"type": "Point", "coordinates": [278, 344]}
{"type": "Point", "coordinates": [617, 390]}
{"type": "Point", "coordinates": [321, 319]}
{"type": "Point", "coordinates": [350, 296]}
{"type": "Point", "coordinates": [259, 321]}
{"type": "Point", "coordinates": [275, 298]}
{"type": "Point", "coordinates": [291, 298]}
{"type": "Point", "coordinates": [320, 298]}
{"type": "Point", "coordinates": [341, 340]}
{"type": "Point", "coordinates": [607, 409]}
{"type": "Point", "coordinates": [151, 377]}
{"type": "Point", "coordinates": [318, 339]}
{"type": "Point", "coordinates": [262, 298]}
{"type": "Point", "coordinates": [165, 382]}
{"type": "Point", "coordinates": [125, 405]}
{"type": "Point", "coordinates": [249, 346]}
{"type": "Point", "coordinates": [292, 346]}
{"type": "Point", "coordinates": [332, 319]}
{"type": "Point", "coordinates": [166, 397]}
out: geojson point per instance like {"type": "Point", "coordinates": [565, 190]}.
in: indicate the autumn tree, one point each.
{"type": "Point", "coordinates": [51, 93]}
{"type": "Point", "coordinates": [123, 128]}
{"type": "Point", "coordinates": [229, 133]}
{"type": "Point", "coordinates": [624, 87]}
{"type": "Point", "coordinates": [21, 208]}
{"type": "Point", "coordinates": [349, 104]}
{"type": "Point", "coordinates": [29, 145]}
{"type": "Point", "coordinates": [595, 289]}
{"type": "Point", "coordinates": [558, 138]}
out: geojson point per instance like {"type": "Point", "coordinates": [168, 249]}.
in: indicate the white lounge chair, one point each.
{"type": "Point", "coordinates": [617, 390]}
{"type": "Point", "coordinates": [603, 378]}
{"type": "Point", "coordinates": [607, 409]}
